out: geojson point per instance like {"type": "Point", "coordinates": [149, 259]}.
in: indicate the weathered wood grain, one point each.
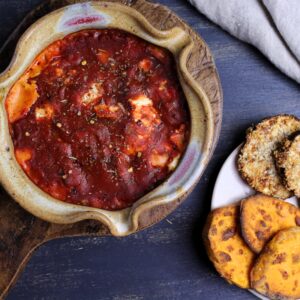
{"type": "Point", "coordinates": [19, 239]}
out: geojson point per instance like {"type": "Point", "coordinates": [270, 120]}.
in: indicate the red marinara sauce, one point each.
{"type": "Point", "coordinates": [99, 118]}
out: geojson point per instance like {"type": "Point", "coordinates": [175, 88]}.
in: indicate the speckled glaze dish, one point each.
{"type": "Point", "coordinates": [101, 15]}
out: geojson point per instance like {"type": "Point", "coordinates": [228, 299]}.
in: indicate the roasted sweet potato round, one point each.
{"type": "Point", "coordinates": [225, 247]}
{"type": "Point", "coordinates": [276, 273]}
{"type": "Point", "coordinates": [263, 216]}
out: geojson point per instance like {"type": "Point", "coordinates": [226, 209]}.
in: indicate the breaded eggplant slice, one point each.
{"type": "Point", "coordinates": [276, 273]}
{"type": "Point", "coordinates": [256, 162]}
{"type": "Point", "coordinates": [287, 158]}
{"type": "Point", "coordinates": [263, 216]}
{"type": "Point", "coordinates": [225, 247]}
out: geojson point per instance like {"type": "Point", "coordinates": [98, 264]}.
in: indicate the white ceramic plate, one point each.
{"type": "Point", "coordinates": [230, 188]}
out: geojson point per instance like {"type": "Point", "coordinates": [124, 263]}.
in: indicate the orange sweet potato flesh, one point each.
{"type": "Point", "coordinates": [225, 247]}
{"type": "Point", "coordinates": [263, 216]}
{"type": "Point", "coordinates": [276, 273]}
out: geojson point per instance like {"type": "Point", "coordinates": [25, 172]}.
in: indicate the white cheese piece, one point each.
{"type": "Point", "coordinates": [45, 112]}
{"type": "Point", "coordinates": [159, 160]}
{"type": "Point", "coordinates": [174, 163]}
{"type": "Point", "coordinates": [94, 92]}
{"type": "Point", "coordinates": [141, 100]}
{"type": "Point", "coordinates": [144, 111]}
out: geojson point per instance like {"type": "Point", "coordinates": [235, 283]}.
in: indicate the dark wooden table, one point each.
{"type": "Point", "coordinates": [167, 261]}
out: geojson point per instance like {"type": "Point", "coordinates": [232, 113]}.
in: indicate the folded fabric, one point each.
{"type": "Point", "coordinates": [270, 25]}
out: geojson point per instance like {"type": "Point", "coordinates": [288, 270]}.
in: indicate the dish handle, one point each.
{"type": "Point", "coordinates": [19, 238]}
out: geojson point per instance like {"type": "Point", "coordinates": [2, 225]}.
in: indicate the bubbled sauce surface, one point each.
{"type": "Point", "coordinates": [99, 118]}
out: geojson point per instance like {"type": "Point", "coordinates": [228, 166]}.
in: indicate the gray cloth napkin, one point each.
{"type": "Point", "coordinates": [272, 26]}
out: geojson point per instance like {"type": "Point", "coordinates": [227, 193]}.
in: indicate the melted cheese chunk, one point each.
{"type": "Point", "coordinates": [103, 56]}
{"type": "Point", "coordinates": [159, 160]}
{"type": "Point", "coordinates": [157, 52]}
{"type": "Point", "coordinates": [16, 109]}
{"type": "Point", "coordinates": [27, 90]}
{"type": "Point", "coordinates": [144, 111]}
{"type": "Point", "coordinates": [93, 94]}
{"type": "Point", "coordinates": [174, 163]}
{"type": "Point", "coordinates": [141, 100]}
{"type": "Point", "coordinates": [162, 85]}
{"type": "Point", "coordinates": [108, 111]}
{"type": "Point", "coordinates": [178, 137]}
{"type": "Point", "coordinates": [44, 112]}
{"type": "Point", "coordinates": [23, 156]}
{"type": "Point", "coordinates": [145, 64]}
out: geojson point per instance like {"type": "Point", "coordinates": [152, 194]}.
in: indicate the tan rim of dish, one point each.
{"type": "Point", "coordinates": [99, 15]}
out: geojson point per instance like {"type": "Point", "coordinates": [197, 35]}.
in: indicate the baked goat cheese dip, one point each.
{"type": "Point", "coordinates": [99, 118]}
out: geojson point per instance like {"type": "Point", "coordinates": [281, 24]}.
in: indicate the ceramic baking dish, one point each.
{"type": "Point", "coordinates": [100, 15]}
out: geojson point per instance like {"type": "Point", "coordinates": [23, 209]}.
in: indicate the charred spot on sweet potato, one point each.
{"type": "Point", "coordinates": [224, 257]}
{"type": "Point", "coordinates": [281, 257]}
{"type": "Point", "coordinates": [228, 233]}
{"type": "Point", "coordinates": [260, 235]}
